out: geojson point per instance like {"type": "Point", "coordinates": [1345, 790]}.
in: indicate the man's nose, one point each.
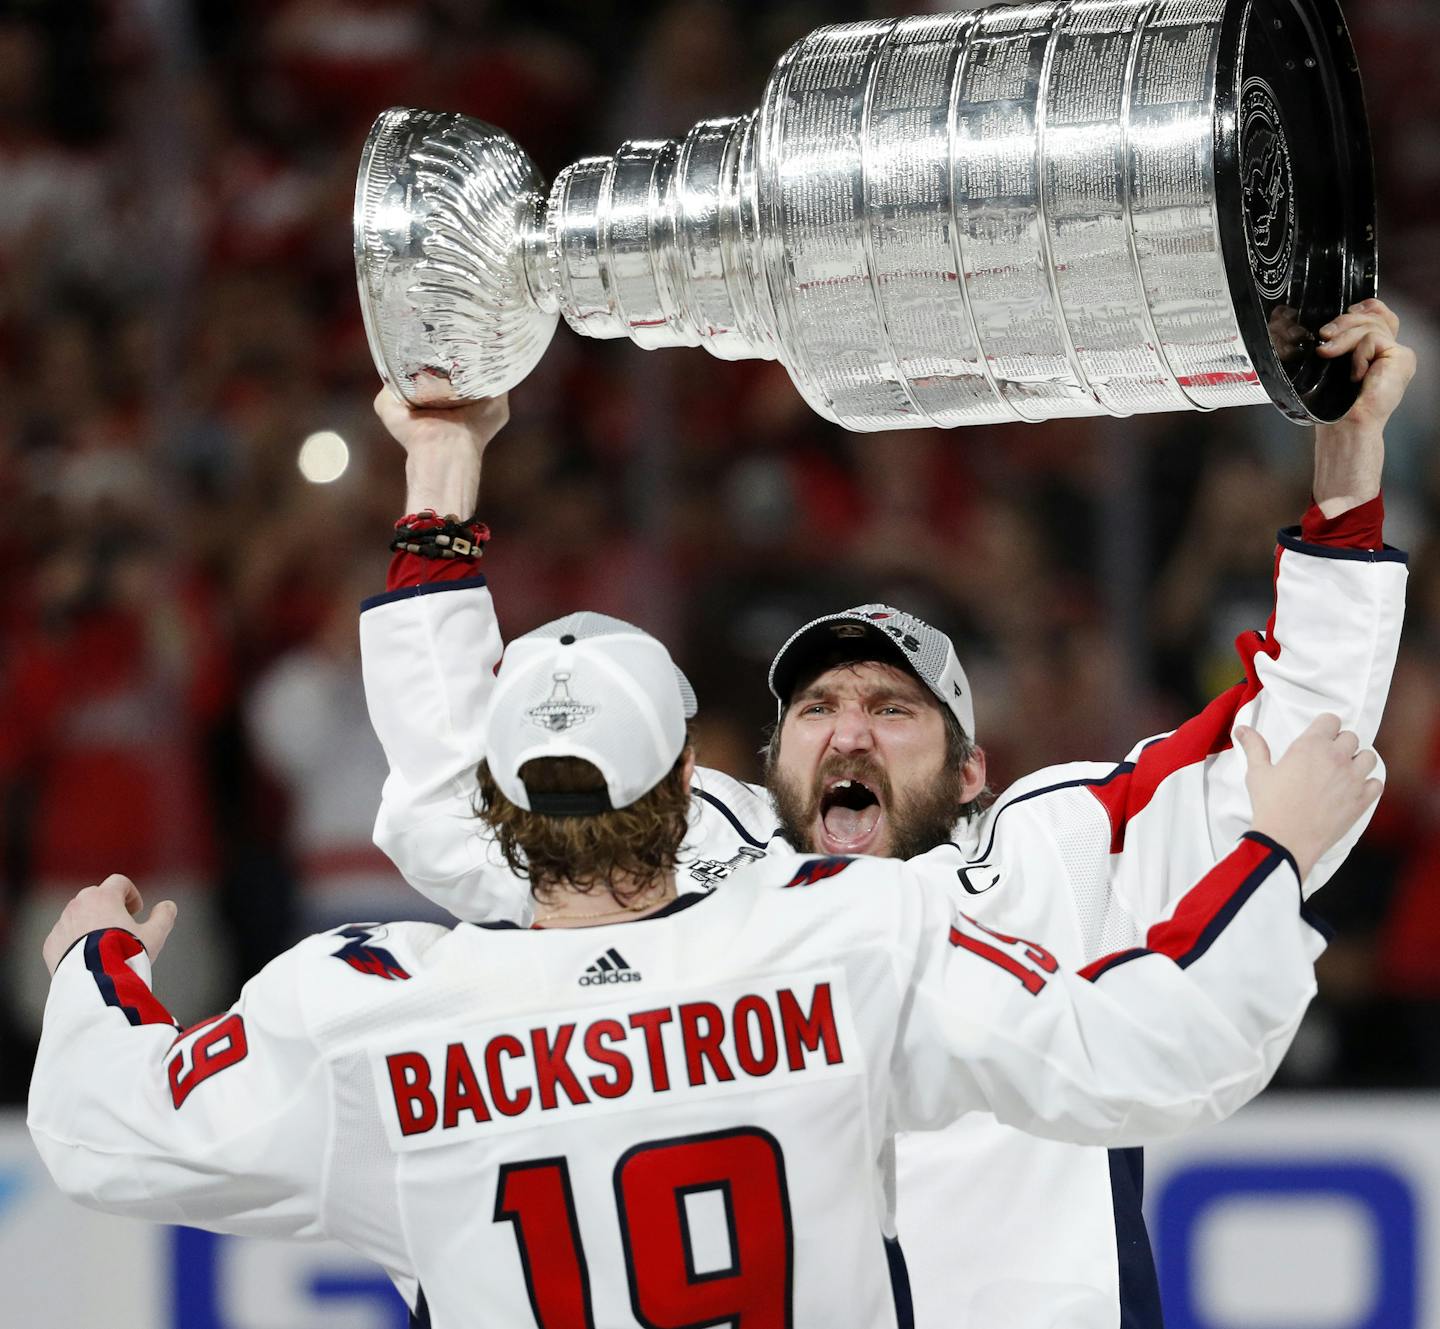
{"type": "Point", "coordinates": [852, 732]}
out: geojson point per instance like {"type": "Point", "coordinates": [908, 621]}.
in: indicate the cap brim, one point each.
{"type": "Point", "coordinates": [839, 639]}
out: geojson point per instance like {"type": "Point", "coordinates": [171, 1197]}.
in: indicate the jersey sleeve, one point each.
{"type": "Point", "coordinates": [1330, 645]}
{"type": "Point", "coordinates": [429, 654]}
{"type": "Point", "coordinates": [223, 1126]}
{"type": "Point", "coordinates": [1137, 1046]}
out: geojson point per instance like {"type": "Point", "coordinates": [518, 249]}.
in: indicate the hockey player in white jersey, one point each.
{"type": "Point", "coordinates": [1000, 1228]}
{"type": "Point", "coordinates": [676, 1119]}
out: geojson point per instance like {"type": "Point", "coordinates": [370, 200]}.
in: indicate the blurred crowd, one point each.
{"type": "Point", "coordinates": [180, 696]}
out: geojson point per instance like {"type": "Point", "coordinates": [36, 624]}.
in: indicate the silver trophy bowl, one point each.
{"type": "Point", "coordinates": [1081, 207]}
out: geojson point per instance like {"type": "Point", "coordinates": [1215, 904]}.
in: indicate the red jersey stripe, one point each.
{"type": "Point", "coordinates": [1127, 793]}
{"type": "Point", "coordinates": [1182, 933]}
{"type": "Point", "coordinates": [1205, 910]}
{"type": "Point", "coordinates": [105, 956]}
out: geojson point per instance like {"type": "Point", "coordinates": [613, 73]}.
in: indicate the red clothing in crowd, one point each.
{"type": "Point", "coordinates": [104, 719]}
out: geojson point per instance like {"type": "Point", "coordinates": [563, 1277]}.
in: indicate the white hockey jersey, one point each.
{"type": "Point", "coordinates": [680, 1120]}
{"type": "Point", "coordinates": [998, 1228]}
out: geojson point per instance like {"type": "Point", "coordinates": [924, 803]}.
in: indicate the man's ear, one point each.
{"type": "Point", "coordinates": [688, 773]}
{"type": "Point", "coordinates": [972, 775]}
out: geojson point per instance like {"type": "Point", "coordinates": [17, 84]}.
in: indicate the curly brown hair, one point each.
{"type": "Point", "coordinates": [637, 844]}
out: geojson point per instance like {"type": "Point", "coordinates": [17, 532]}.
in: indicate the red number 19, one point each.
{"type": "Point", "coordinates": [652, 1183]}
{"type": "Point", "coordinates": [1028, 961]}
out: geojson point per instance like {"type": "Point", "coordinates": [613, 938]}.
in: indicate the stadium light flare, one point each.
{"type": "Point", "coordinates": [324, 457]}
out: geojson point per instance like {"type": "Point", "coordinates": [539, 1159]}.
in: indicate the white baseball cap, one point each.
{"type": "Point", "coordinates": [592, 687]}
{"type": "Point", "coordinates": [878, 632]}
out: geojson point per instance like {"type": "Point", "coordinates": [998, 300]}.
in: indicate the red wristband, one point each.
{"type": "Point", "coordinates": [408, 568]}
{"type": "Point", "coordinates": [433, 536]}
{"type": "Point", "coordinates": [1361, 527]}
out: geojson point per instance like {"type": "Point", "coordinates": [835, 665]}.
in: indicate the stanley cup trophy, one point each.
{"type": "Point", "coordinates": [1080, 207]}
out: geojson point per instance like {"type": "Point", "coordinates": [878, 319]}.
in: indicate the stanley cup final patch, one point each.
{"type": "Point", "coordinates": [560, 711]}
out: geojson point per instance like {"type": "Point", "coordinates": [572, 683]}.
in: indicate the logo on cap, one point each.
{"type": "Point", "coordinates": [906, 639]}
{"type": "Point", "coordinates": [560, 711]}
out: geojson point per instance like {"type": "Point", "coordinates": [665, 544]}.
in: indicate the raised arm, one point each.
{"type": "Point", "coordinates": [429, 646]}
{"type": "Point", "coordinates": [1153, 1040]}
{"type": "Point", "coordinates": [444, 450]}
{"type": "Point", "coordinates": [1179, 800]}
{"type": "Point", "coordinates": [1350, 454]}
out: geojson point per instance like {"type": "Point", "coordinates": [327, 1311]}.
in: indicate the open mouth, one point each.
{"type": "Point", "coordinates": [850, 813]}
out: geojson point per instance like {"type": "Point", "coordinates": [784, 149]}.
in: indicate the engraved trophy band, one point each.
{"type": "Point", "coordinates": [1080, 207]}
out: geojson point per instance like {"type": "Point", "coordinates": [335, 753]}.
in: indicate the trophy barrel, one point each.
{"type": "Point", "coordinates": [1070, 208]}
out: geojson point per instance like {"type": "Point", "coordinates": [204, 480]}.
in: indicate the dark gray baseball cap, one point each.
{"type": "Point", "coordinates": [878, 632]}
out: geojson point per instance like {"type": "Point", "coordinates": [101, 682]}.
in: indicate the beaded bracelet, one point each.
{"type": "Point", "coordinates": [432, 536]}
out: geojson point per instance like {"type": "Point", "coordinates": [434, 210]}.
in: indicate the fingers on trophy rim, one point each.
{"type": "Point", "coordinates": [1359, 324]}
{"type": "Point", "coordinates": [1378, 307]}
{"type": "Point", "coordinates": [1367, 318]}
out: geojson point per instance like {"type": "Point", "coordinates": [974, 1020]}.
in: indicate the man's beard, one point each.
{"type": "Point", "coordinates": [918, 820]}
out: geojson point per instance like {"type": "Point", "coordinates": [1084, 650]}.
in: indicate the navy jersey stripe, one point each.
{"type": "Point", "coordinates": [106, 952]}
{"type": "Point", "coordinates": [900, 1284]}
{"type": "Point", "coordinates": [686, 901]}
{"type": "Point", "coordinates": [1318, 923]}
{"type": "Point", "coordinates": [1226, 913]}
{"type": "Point", "coordinates": [1289, 538]}
{"type": "Point", "coordinates": [1139, 1284]}
{"type": "Point", "coordinates": [731, 818]}
{"type": "Point", "coordinates": [420, 1316]}
{"type": "Point", "coordinates": [1110, 962]}
{"type": "Point", "coordinates": [1088, 782]}
{"type": "Point", "coordinates": [103, 981]}
{"type": "Point", "coordinates": [424, 588]}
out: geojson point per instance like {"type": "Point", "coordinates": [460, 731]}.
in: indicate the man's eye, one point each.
{"type": "Point", "coordinates": [894, 710]}
{"type": "Point", "coordinates": [814, 708]}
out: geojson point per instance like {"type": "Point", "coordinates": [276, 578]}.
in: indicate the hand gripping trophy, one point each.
{"type": "Point", "coordinates": [1077, 207]}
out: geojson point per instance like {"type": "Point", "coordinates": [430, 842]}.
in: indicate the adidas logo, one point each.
{"type": "Point", "coordinates": [609, 968]}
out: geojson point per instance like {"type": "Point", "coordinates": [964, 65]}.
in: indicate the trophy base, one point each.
{"type": "Point", "coordinates": [1296, 195]}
